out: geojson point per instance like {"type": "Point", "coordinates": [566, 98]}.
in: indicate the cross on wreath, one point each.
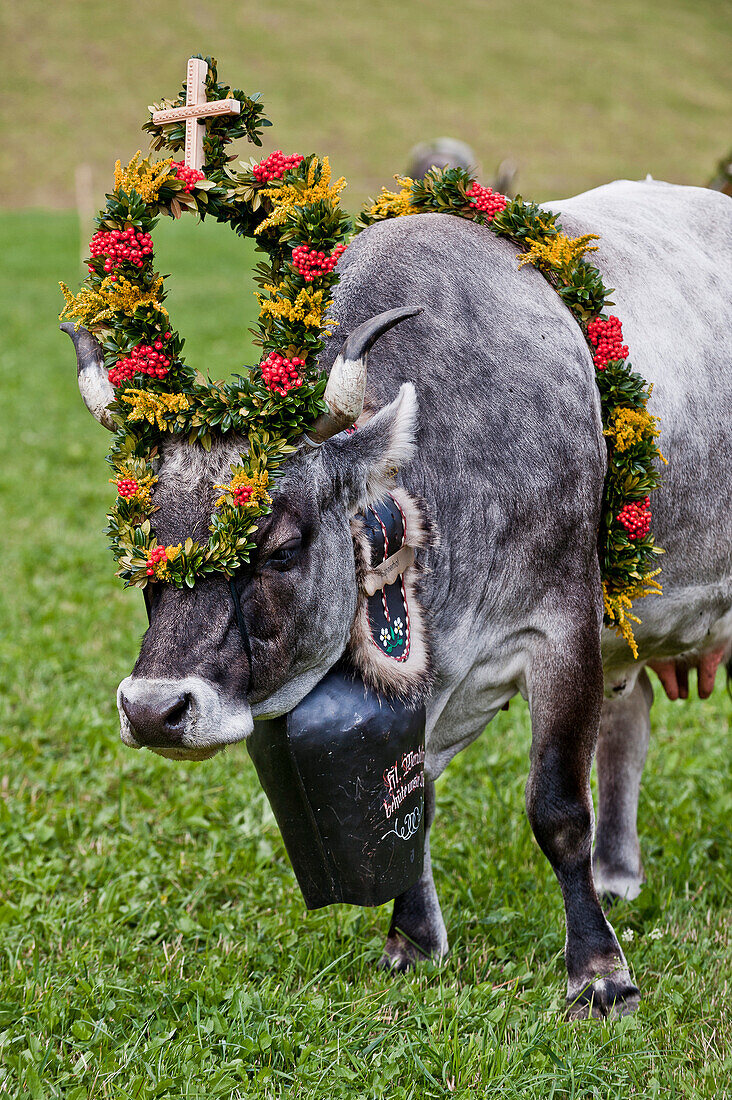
{"type": "Point", "coordinates": [196, 110]}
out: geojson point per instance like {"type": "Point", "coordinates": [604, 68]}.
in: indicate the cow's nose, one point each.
{"type": "Point", "coordinates": [157, 714]}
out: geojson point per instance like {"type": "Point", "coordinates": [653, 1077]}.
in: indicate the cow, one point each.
{"type": "Point", "coordinates": [485, 402]}
{"type": "Point", "coordinates": [443, 152]}
{"type": "Point", "coordinates": [448, 152]}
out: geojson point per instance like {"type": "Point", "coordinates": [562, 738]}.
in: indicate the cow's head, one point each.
{"type": "Point", "coordinates": [193, 690]}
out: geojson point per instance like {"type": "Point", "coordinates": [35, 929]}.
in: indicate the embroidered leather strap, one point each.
{"type": "Point", "coordinates": [387, 606]}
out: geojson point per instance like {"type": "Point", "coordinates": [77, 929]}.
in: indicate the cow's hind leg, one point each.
{"type": "Point", "coordinates": [565, 693]}
{"type": "Point", "coordinates": [417, 930]}
{"type": "Point", "coordinates": [625, 728]}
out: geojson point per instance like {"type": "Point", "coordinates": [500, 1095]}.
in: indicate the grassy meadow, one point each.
{"type": "Point", "coordinates": [154, 943]}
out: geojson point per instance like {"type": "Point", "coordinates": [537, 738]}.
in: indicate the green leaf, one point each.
{"type": "Point", "coordinates": [82, 1029]}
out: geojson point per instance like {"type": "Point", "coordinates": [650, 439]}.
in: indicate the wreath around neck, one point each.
{"type": "Point", "coordinates": [290, 205]}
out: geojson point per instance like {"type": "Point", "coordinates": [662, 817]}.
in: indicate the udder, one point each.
{"type": "Point", "coordinates": [674, 674]}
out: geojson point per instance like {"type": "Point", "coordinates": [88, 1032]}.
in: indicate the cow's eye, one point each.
{"type": "Point", "coordinates": [284, 556]}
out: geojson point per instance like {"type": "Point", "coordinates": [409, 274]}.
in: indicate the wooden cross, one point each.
{"type": "Point", "coordinates": [196, 110]}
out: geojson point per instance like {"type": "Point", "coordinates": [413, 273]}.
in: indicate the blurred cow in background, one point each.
{"type": "Point", "coordinates": [448, 152]}
{"type": "Point", "coordinates": [723, 177]}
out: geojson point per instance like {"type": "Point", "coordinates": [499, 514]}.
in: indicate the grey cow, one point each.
{"type": "Point", "coordinates": [486, 402]}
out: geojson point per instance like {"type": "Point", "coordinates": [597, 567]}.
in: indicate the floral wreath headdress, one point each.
{"type": "Point", "coordinates": [138, 384]}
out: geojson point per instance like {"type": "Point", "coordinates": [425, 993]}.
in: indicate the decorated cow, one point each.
{"type": "Point", "coordinates": [485, 404]}
{"type": "Point", "coordinates": [481, 406]}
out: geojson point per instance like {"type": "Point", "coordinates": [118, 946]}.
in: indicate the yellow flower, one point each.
{"type": "Point", "coordinates": [629, 426]}
{"type": "Point", "coordinates": [619, 602]}
{"type": "Point", "coordinates": [559, 253]}
{"type": "Point", "coordinates": [143, 177]}
{"type": "Point", "coordinates": [89, 307]}
{"type": "Point", "coordinates": [308, 307]}
{"type": "Point", "coordinates": [153, 406]}
{"type": "Point", "coordinates": [93, 307]}
{"type": "Point", "coordinates": [291, 195]}
{"type": "Point", "coordinates": [257, 482]}
{"type": "Point", "coordinates": [125, 297]}
{"type": "Point", "coordinates": [394, 204]}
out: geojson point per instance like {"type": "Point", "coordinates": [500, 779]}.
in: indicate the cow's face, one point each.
{"type": "Point", "coordinates": [192, 690]}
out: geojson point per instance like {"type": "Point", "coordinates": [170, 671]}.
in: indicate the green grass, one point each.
{"type": "Point", "coordinates": [577, 92]}
{"type": "Point", "coordinates": [154, 942]}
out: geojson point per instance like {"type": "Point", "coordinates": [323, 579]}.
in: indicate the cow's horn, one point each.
{"type": "Point", "coordinates": [346, 389]}
{"type": "Point", "coordinates": [94, 385]}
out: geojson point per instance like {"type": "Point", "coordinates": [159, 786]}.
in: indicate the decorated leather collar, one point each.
{"type": "Point", "coordinates": [389, 643]}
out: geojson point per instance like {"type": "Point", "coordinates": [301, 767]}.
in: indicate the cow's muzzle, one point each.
{"type": "Point", "coordinates": [183, 719]}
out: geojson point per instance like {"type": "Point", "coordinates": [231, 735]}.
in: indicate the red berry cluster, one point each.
{"type": "Point", "coordinates": [280, 374]}
{"type": "Point", "coordinates": [143, 359]}
{"type": "Point", "coordinates": [312, 264]}
{"type": "Point", "coordinates": [486, 200]}
{"type": "Point", "coordinates": [120, 246]}
{"type": "Point", "coordinates": [636, 518]}
{"type": "Point", "coordinates": [243, 494]}
{"type": "Point", "coordinates": [275, 166]}
{"type": "Point", "coordinates": [190, 176]}
{"type": "Point", "coordinates": [127, 487]}
{"type": "Point", "coordinates": [156, 555]}
{"type": "Point", "coordinates": [607, 337]}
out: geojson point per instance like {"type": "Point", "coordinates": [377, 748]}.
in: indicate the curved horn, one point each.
{"type": "Point", "coordinates": [346, 389]}
{"type": "Point", "coordinates": [96, 389]}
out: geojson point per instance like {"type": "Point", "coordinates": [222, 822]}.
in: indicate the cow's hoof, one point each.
{"type": "Point", "coordinates": [402, 954]}
{"type": "Point", "coordinates": [605, 998]}
{"type": "Point", "coordinates": [612, 884]}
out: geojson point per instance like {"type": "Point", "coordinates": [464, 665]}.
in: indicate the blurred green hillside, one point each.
{"type": "Point", "coordinates": [576, 92]}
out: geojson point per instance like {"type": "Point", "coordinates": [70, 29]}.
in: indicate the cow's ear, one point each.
{"type": "Point", "coordinates": [363, 464]}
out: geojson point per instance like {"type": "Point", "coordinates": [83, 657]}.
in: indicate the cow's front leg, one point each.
{"type": "Point", "coordinates": [565, 700]}
{"type": "Point", "coordinates": [625, 728]}
{"type": "Point", "coordinates": [417, 930]}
